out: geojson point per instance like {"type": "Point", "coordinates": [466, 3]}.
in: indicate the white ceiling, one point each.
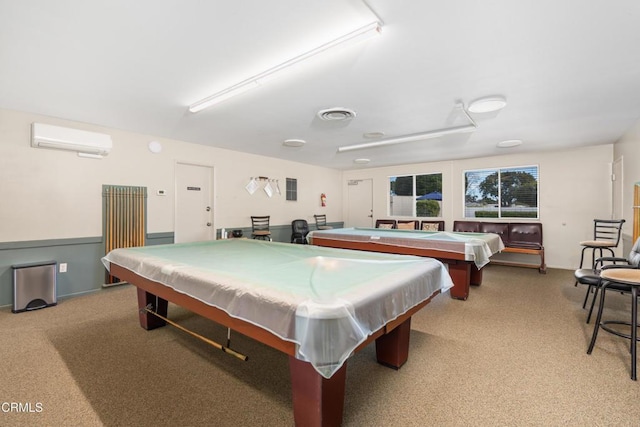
{"type": "Point", "coordinates": [570, 71]}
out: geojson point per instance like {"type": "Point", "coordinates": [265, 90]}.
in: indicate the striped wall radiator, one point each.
{"type": "Point", "coordinates": [124, 218]}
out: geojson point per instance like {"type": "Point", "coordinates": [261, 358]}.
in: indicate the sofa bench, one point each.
{"type": "Point", "coordinates": [518, 237]}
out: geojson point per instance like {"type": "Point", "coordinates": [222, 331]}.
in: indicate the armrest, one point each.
{"type": "Point", "coordinates": [524, 245]}
{"type": "Point", "coordinates": [612, 266]}
{"type": "Point", "coordinates": [613, 259]}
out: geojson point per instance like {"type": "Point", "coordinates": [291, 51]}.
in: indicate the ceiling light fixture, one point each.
{"type": "Point", "coordinates": [409, 138]}
{"type": "Point", "coordinates": [361, 161]}
{"type": "Point", "coordinates": [353, 37]}
{"type": "Point", "coordinates": [294, 143]}
{"type": "Point", "coordinates": [488, 104]}
{"type": "Point", "coordinates": [509, 143]}
{"type": "Point", "coordinates": [373, 135]}
{"type": "Point", "coordinates": [472, 126]}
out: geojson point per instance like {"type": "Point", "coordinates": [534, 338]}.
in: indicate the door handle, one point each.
{"type": "Point", "coordinates": [208, 224]}
{"type": "Point", "coordinates": [208, 209]}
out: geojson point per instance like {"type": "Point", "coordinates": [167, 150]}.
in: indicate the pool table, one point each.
{"type": "Point", "coordinates": [464, 253]}
{"type": "Point", "coordinates": [317, 305]}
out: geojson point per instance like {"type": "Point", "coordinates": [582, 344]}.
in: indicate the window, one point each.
{"type": "Point", "coordinates": [415, 195]}
{"type": "Point", "coordinates": [292, 189]}
{"type": "Point", "coordinates": [517, 196]}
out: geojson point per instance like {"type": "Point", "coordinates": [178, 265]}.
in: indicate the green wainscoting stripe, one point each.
{"type": "Point", "coordinates": [49, 243]}
{"type": "Point", "coordinates": [85, 272]}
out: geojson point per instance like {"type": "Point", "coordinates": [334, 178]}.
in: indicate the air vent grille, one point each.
{"type": "Point", "coordinates": [336, 114]}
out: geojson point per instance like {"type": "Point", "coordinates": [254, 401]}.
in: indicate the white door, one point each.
{"type": "Point", "coordinates": [194, 208]}
{"type": "Point", "coordinates": [360, 203]}
{"type": "Point", "coordinates": [617, 190]}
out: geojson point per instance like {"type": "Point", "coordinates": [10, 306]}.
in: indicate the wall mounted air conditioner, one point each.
{"type": "Point", "coordinates": [87, 144]}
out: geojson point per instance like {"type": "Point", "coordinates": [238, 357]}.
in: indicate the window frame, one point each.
{"type": "Point", "coordinates": [414, 213]}
{"type": "Point", "coordinates": [500, 208]}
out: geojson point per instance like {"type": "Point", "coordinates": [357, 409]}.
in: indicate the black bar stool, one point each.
{"type": "Point", "coordinates": [620, 280]}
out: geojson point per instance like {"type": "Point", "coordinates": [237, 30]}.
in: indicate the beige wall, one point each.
{"type": "Point", "coordinates": [574, 189]}
{"type": "Point", "coordinates": [51, 194]}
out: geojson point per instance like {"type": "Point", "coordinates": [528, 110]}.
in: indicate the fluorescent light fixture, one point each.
{"type": "Point", "coordinates": [223, 95]}
{"type": "Point", "coordinates": [409, 138]}
{"type": "Point", "coordinates": [488, 104]}
{"type": "Point", "coordinates": [353, 37]}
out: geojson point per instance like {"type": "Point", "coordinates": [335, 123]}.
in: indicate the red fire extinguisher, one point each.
{"type": "Point", "coordinates": [323, 200]}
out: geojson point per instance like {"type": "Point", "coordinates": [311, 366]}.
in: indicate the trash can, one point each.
{"type": "Point", "coordinates": [34, 286]}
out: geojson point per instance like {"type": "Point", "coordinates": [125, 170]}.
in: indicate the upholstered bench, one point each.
{"type": "Point", "coordinates": [518, 237]}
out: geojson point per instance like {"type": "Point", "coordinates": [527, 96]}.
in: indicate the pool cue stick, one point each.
{"type": "Point", "coordinates": [200, 337]}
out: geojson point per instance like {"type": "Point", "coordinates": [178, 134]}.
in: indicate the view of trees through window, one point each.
{"type": "Point", "coordinates": [501, 193]}
{"type": "Point", "coordinates": [415, 195]}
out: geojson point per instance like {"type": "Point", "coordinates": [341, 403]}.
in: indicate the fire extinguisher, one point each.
{"type": "Point", "coordinates": [323, 200]}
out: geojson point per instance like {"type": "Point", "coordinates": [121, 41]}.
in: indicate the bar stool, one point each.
{"type": "Point", "coordinates": [260, 227]}
{"type": "Point", "coordinates": [620, 280]}
{"type": "Point", "coordinates": [606, 236]}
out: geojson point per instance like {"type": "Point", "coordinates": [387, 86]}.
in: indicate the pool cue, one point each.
{"type": "Point", "coordinates": [200, 337]}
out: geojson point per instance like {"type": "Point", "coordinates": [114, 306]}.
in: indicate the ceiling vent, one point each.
{"type": "Point", "coordinates": [336, 114]}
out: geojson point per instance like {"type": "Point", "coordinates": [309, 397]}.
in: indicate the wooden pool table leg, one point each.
{"type": "Point", "coordinates": [317, 401]}
{"type": "Point", "coordinates": [392, 348]}
{"type": "Point", "coordinates": [147, 320]}
{"type": "Point", "coordinates": [460, 273]}
{"type": "Point", "coordinates": [476, 275]}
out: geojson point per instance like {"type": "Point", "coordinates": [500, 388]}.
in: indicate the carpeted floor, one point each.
{"type": "Point", "coordinates": [513, 354]}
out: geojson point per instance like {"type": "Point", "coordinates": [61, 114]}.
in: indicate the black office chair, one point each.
{"type": "Point", "coordinates": [299, 231]}
{"type": "Point", "coordinates": [386, 223]}
{"type": "Point", "coordinates": [591, 277]}
{"type": "Point", "coordinates": [321, 222]}
{"type": "Point", "coordinates": [260, 227]}
{"type": "Point", "coordinates": [606, 236]}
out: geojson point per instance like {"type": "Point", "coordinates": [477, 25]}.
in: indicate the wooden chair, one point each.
{"type": "Point", "coordinates": [260, 227]}
{"type": "Point", "coordinates": [408, 224]}
{"type": "Point", "coordinates": [432, 225]}
{"type": "Point", "coordinates": [321, 222]}
{"type": "Point", "coordinates": [386, 223]}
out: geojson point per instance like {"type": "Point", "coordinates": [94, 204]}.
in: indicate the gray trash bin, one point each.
{"type": "Point", "coordinates": [34, 286]}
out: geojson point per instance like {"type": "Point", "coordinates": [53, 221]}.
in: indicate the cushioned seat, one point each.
{"type": "Point", "coordinates": [518, 237]}
{"type": "Point", "coordinates": [404, 224]}
{"type": "Point", "coordinates": [432, 225]}
{"type": "Point", "coordinates": [386, 223]}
